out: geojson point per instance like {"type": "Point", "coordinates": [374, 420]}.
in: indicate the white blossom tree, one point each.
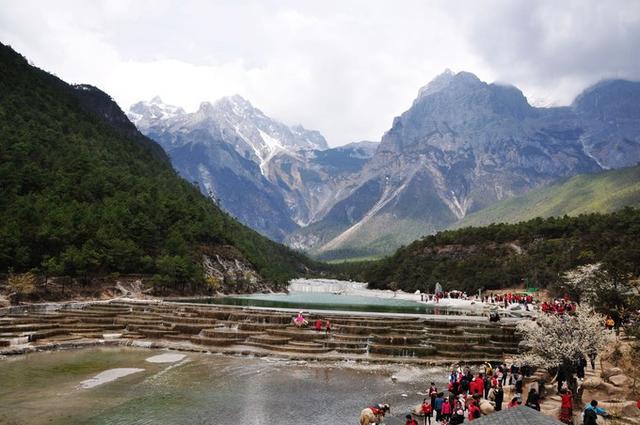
{"type": "Point", "coordinates": [558, 342]}
{"type": "Point", "coordinates": [607, 291]}
{"type": "Point", "coordinates": [583, 282]}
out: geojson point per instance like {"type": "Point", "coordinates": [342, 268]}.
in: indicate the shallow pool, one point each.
{"type": "Point", "coordinates": [46, 388]}
{"type": "Point", "coordinates": [328, 301]}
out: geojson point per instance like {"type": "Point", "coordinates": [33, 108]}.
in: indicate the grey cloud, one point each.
{"type": "Point", "coordinates": [345, 68]}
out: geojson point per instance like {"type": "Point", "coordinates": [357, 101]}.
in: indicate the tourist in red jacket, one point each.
{"type": "Point", "coordinates": [446, 409]}
{"type": "Point", "coordinates": [566, 407]}
{"type": "Point", "coordinates": [427, 410]}
{"type": "Point", "coordinates": [477, 385]}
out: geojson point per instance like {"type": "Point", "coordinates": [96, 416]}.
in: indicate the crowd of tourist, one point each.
{"type": "Point", "coordinates": [466, 392]}
{"type": "Point", "coordinates": [498, 299]}
{"type": "Point", "coordinates": [558, 306]}
{"type": "Point", "coordinates": [468, 396]}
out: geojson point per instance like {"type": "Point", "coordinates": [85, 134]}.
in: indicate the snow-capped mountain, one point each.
{"type": "Point", "coordinates": [252, 134]}
{"type": "Point", "coordinates": [271, 176]}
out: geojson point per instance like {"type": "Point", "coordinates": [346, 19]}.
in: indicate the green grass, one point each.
{"type": "Point", "coordinates": [355, 259]}
{"type": "Point", "coordinates": [605, 192]}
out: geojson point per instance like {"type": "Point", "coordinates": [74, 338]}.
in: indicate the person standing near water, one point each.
{"type": "Point", "coordinates": [318, 325]}
{"type": "Point", "coordinates": [433, 393]}
{"type": "Point", "coordinates": [427, 411]}
{"type": "Point", "coordinates": [327, 327]}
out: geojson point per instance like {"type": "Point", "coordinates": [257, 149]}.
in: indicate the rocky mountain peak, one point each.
{"type": "Point", "coordinates": [447, 80]}
{"type": "Point", "coordinates": [145, 114]}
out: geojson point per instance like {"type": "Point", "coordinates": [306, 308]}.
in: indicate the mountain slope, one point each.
{"type": "Point", "coordinates": [82, 192]}
{"type": "Point", "coordinates": [464, 145]}
{"type": "Point", "coordinates": [272, 177]}
{"type": "Point", "coordinates": [586, 193]}
{"type": "Point", "coordinates": [534, 253]}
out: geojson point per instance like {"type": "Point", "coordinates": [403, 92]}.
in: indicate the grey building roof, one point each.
{"type": "Point", "coordinates": [521, 415]}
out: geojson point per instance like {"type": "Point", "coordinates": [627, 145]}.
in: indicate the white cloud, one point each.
{"type": "Point", "coordinates": [345, 68]}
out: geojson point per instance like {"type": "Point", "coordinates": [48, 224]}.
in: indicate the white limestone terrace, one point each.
{"type": "Point", "coordinates": [355, 336]}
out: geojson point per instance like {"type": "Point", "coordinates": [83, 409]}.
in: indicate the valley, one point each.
{"type": "Point", "coordinates": [463, 148]}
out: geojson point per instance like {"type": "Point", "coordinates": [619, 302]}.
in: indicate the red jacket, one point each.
{"type": "Point", "coordinates": [566, 401]}
{"type": "Point", "coordinates": [376, 411]}
{"type": "Point", "coordinates": [427, 409]}
{"type": "Point", "coordinates": [411, 422]}
{"type": "Point", "coordinates": [472, 409]}
{"type": "Point", "coordinates": [446, 408]}
{"type": "Point", "coordinates": [476, 386]}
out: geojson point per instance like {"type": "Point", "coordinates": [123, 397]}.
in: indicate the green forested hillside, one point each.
{"type": "Point", "coordinates": [586, 193]}
{"type": "Point", "coordinates": [533, 252]}
{"type": "Point", "coordinates": [83, 193]}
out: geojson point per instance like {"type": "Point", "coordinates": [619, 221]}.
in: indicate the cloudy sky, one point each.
{"type": "Point", "coordinates": [343, 67]}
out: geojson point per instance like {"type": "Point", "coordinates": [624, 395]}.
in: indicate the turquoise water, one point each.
{"type": "Point", "coordinates": [326, 301]}
{"type": "Point", "coordinates": [43, 388]}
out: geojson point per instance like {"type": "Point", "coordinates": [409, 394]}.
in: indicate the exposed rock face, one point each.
{"type": "Point", "coordinates": [227, 271]}
{"type": "Point", "coordinates": [271, 177]}
{"type": "Point", "coordinates": [609, 115]}
{"type": "Point", "coordinates": [465, 144]}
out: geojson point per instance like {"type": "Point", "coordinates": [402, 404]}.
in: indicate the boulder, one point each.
{"type": "Point", "coordinates": [611, 372]}
{"type": "Point", "coordinates": [592, 383]}
{"type": "Point", "coordinates": [620, 380]}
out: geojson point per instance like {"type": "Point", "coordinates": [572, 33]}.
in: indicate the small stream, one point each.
{"type": "Point", "coordinates": [46, 388]}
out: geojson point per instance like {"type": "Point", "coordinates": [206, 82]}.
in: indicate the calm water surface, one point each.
{"type": "Point", "coordinates": [43, 388]}
{"type": "Point", "coordinates": [327, 301]}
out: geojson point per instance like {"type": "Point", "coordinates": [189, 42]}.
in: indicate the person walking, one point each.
{"type": "Point", "coordinates": [327, 327]}
{"type": "Point", "coordinates": [318, 325]}
{"type": "Point", "coordinates": [566, 407]}
{"type": "Point", "coordinates": [580, 367]}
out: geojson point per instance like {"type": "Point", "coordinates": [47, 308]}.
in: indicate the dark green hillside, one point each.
{"type": "Point", "coordinates": [603, 192]}
{"type": "Point", "coordinates": [83, 193]}
{"type": "Point", "coordinates": [533, 252]}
